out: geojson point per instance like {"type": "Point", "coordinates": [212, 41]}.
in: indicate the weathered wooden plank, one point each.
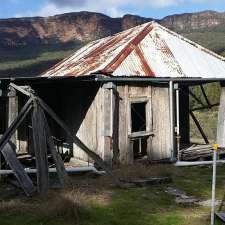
{"type": "Point", "coordinates": [12, 111]}
{"type": "Point", "coordinates": [107, 107]}
{"type": "Point", "coordinates": [15, 165]}
{"type": "Point", "coordinates": [161, 142]}
{"type": "Point", "coordinates": [40, 149]}
{"type": "Point", "coordinates": [108, 121]}
{"type": "Point", "coordinates": [61, 172]}
{"type": "Point", "coordinates": [86, 120]}
{"type": "Point", "coordinates": [122, 139]}
{"type": "Point", "coordinates": [149, 123]}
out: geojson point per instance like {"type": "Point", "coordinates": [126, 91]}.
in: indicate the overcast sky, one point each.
{"type": "Point", "coordinates": [114, 8]}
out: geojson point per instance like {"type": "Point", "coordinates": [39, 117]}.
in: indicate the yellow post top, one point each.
{"type": "Point", "coordinates": [215, 147]}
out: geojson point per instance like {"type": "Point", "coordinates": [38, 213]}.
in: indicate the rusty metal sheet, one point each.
{"type": "Point", "coordinates": [95, 56]}
{"type": "Point", "coordinates": [146, 50]}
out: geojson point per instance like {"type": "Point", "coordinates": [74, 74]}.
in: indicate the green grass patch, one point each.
{"type": "Point", "coordinates": [99, 203]}
{"type": "Point", "coordinates": [33, 60]}
{"type": "Point", "coordinates": [208, 121]}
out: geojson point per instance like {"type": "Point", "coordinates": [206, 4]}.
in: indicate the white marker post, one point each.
{"type": "Point", "coordinates": [215, 148]}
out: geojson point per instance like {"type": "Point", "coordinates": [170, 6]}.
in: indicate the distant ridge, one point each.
{"type": "Point", "coordinates": [86, 26]}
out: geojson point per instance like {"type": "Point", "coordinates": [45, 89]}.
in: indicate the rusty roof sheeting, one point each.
{"type": "Point", "coordinates": [145, 50]}
{"type": "Point", "coordinates": [95, 56]}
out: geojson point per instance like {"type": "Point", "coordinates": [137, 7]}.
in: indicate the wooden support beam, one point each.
{"type": "Point", "coordinates": [12, 111]}
{"type": "Point", "coordinates": [63, 177]}
{"type": "Point", "coordinates": [61, 171]}
{"type": "Point", "coordinates": [22, 90]}
{"type": "Point", "coordinates": [40, 149]}
{"type": "Point", "coordinates": [22, 177]}
{"type": "Point", "coordinates": [199, 127]}
{"type": "Point", "coordinates": [10, 155]}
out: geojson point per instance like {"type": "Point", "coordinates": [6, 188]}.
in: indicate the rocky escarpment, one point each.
{"type": "Point", "coordinates": [86, 26]}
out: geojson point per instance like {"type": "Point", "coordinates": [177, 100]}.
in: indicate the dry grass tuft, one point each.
{"type": "Point", "coordinates": [64, 204]}
{"type": "Point", "coordinates": [14, 206]}
{"type": "Point", "coordinates": [139, 171]}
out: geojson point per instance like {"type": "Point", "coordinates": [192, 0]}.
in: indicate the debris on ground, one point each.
{"type": "Point", "coordinates": [207, 203]}
{"type": "Point", "coordinates": [181, 197]}
{"type": "Point", "coordinates": [145, 182]}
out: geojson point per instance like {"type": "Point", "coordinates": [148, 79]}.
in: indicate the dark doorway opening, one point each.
{"type": "Point", "coordinates": [138, 117]}
{"type": "Point", "coordinates": [138, 129]}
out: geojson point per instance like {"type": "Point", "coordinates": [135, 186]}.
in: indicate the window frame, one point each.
{"type": "Point", "coordinates": [147, 115]}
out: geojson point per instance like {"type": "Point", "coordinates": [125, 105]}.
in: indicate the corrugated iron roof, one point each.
{"type": "Point", "coordinates": [146, 50]}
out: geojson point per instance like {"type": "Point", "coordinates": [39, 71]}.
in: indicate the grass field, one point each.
{"type": "Point", "coordinates": [95, 201]}
{"type": "Point", "coordinates": [32, 61]}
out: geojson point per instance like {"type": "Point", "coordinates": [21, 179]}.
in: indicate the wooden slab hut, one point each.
{"type": "Point", "coordinates": [125, 96]}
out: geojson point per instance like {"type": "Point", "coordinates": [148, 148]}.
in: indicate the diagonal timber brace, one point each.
{"type": "Point", "coordinates": [10, 155]}
{"type": "Point", "coordinates": [199, 127]}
